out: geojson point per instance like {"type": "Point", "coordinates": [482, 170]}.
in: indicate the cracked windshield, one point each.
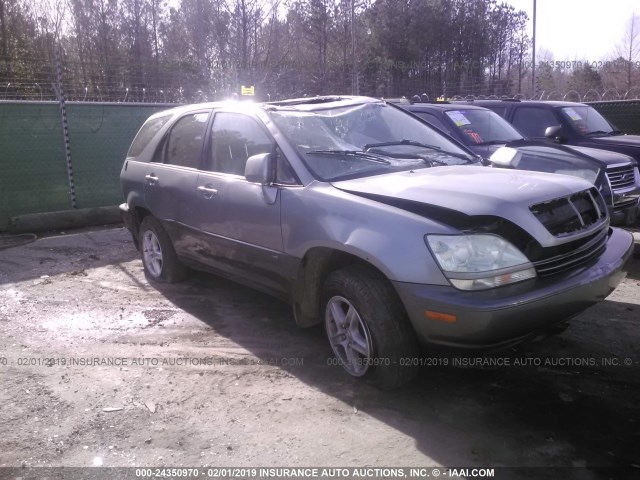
{"type": "Point", "coordinates": [365, 139]}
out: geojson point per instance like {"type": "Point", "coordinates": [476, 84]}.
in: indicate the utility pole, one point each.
{"type": "Point", "coordinates": [354, 67]}
{"type": "Point", "coordinates": [533, 60]}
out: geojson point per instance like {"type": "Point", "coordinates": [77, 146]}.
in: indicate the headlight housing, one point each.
{"type": "Point", "coordinates": [479, 261]}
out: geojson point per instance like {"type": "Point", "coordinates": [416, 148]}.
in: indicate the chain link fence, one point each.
{"type": "Point", "coordinates": [39, 174]}
{"type": "Point", "coordinates": [625, 114]}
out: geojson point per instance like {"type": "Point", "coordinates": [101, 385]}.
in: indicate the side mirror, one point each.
{"type": "Point", "coordinates": [258, 169]}
{"type": "Point", "coordinates": [485, 162]}
{"type": "Point", "coordinates": [506, 157]}
{"type": "Point", "coordinates": [555, 133]}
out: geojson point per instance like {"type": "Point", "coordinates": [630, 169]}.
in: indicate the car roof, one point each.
{"type": "Point", "coordinates": [321, 102]}
{"type": "Point", "coordinates": [233, 105]}
{"type": "Point", "coordinates": [553, 103]}
{"type": "Point", "coordinates": [442, 106]}
{"type": "Point", "coordinates": [302, 104]}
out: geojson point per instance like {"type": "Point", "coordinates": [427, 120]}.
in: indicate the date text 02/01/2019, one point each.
{"type": "Point", "coordinates": [151, 361]}
{"type": "Point", "coordinates": [313, 472]}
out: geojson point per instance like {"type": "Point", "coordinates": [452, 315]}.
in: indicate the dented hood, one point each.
{"type": "Point", "coordinates": [473, 191]}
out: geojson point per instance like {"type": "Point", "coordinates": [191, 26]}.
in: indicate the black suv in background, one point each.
{"type": "Point", "coordinates": [484, 131]}
{"type": "Point", "coordinates": [479, 129]}
{"type": "Point", "coordinates": [571, 124]}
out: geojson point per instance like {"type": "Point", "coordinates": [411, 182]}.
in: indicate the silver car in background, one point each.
{"type": "Point", "coordinates": [332, 204]}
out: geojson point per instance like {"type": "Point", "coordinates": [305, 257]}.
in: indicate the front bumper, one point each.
{"type": "Point", "coordinates": [129, 222]}
{"type": "Point", "coordinates": [126, 216]}
{"type": "Point", "coordinates": [625, 214]}
{"type": "Point", "coordinates": [506, 315]}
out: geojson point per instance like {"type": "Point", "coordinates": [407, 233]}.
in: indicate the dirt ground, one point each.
{"type": "Point", "coordinates": [208, 372]}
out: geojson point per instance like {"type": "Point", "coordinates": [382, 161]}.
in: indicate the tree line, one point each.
{"type": "Point", "coordinates": [206, 49]}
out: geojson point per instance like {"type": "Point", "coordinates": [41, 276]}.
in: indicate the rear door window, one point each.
{"type": "Point", "coordinates": [183, 146]}
{"type": "Point", "coordinates": [146, 133]}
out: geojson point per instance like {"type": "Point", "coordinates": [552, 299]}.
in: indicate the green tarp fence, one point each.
{"type": "Point", "coordinates": [33, 161]}
{"type": "Point", "coordinates": [624, 114]}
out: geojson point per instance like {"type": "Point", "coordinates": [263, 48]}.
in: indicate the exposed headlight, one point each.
{"type": "Point", "coordinates": [587, 174]}
{"type": "Point", "coordinates": [479, 261]}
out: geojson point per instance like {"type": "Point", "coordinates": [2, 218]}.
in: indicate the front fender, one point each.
{"type": "Point", "coordinates": [388, 238]}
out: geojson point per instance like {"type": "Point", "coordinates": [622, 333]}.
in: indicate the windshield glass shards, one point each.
{"type": "Point", "coordinates": [364, 139]}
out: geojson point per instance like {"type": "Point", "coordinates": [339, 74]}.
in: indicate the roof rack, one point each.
{"type": "Point", "coordinates": [398, 101]}
{"type": "Point", "coordinates": [306, 101]}
{"type": "Point", "coordinates": [408, 101]}
{"type": "Point", "coordinates": [471, 100]}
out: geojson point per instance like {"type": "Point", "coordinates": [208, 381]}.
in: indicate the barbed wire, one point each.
{"type": "Point", "coordinates": [591, 95]}
{"type": "Point", "coordinates": [33, 80]}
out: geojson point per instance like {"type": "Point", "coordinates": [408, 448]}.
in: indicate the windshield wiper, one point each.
{"type": "Point", "coordinates": [414, 143]}
{"type": "Point", "coordinates": [400, 142]}
{"type": "Point", "coordinates": [498, 142]}
{"type": "Point", "coordinates": [597, 132]}
{"type": "Point", "coordinates": [616, 132]}
{"type": "Point", "coordinates": [352, 153]}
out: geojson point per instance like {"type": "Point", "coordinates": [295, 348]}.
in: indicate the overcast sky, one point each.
{"type": "Point", "coordinates": [579, 29]}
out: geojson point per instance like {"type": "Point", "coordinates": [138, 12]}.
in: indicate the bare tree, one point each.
{"type": "Point", "coordinates": [630, 48]}
{"type": "Point", "coordinates": [49, 17]}
{"type": "Point", "coordinates": [4, 44]}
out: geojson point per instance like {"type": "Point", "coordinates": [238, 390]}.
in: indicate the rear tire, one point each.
{"type": "Point", "coordinates": [368, 328]}
{"type": "Point", "coordinates": [159, 259]}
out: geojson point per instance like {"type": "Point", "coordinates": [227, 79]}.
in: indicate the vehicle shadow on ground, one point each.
{"type": "Point", "coordinates": [564, 400]}
{"type": "Point", "coordinates": [64, 254]}
{"type": "Point", "coordinates": [634, 265]}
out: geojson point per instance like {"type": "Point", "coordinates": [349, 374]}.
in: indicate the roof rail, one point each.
{"type": "Point", "coordinates": [307, 100]}
{"type": "Point", "coordinates": [398, 101]}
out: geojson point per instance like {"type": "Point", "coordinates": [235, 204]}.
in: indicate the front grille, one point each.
{"type": "Point", "coordinates": [567, 215]}
{"type": "Point", "coordinates": [625, 202]}
{"type": "Point", "coordinates": [621, 178]}
{"type": "Point", "coordinates": [570, 255]}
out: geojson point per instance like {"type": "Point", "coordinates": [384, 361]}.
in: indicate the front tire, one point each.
{"type": "Point", "coordinates": [368, 328]}
{"type": "Point", "coordinates": [159, 259]}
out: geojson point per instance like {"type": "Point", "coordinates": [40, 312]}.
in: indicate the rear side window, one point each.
{"type": "Point", "coordinates": [146, 133]}
{"type": "Point", "coordinates": [184, 145]}
{"type": "Point", "coordinates": [533, 121]}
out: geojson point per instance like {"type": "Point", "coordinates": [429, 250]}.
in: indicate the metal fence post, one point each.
{"type": "Point", "coordinates": [65, 128]}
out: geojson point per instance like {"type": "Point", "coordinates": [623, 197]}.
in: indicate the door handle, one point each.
{"type": "Point", "coordinates": [151, 179]}
{"type": "Point", "coordinates": [207, 191]}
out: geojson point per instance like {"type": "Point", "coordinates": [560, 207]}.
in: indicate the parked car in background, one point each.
{"type": "Point", "coordinates": [569, 123]}
{"type": "Point", "coordinates": [483, 131]}
{"type": "Point", "coordinates": [578, 125]}
{"type": "Point", "coordinates": [333, 204]}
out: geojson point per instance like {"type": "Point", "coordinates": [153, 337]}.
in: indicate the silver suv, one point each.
{"type": "Point", "coordinates": [331, 203]}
